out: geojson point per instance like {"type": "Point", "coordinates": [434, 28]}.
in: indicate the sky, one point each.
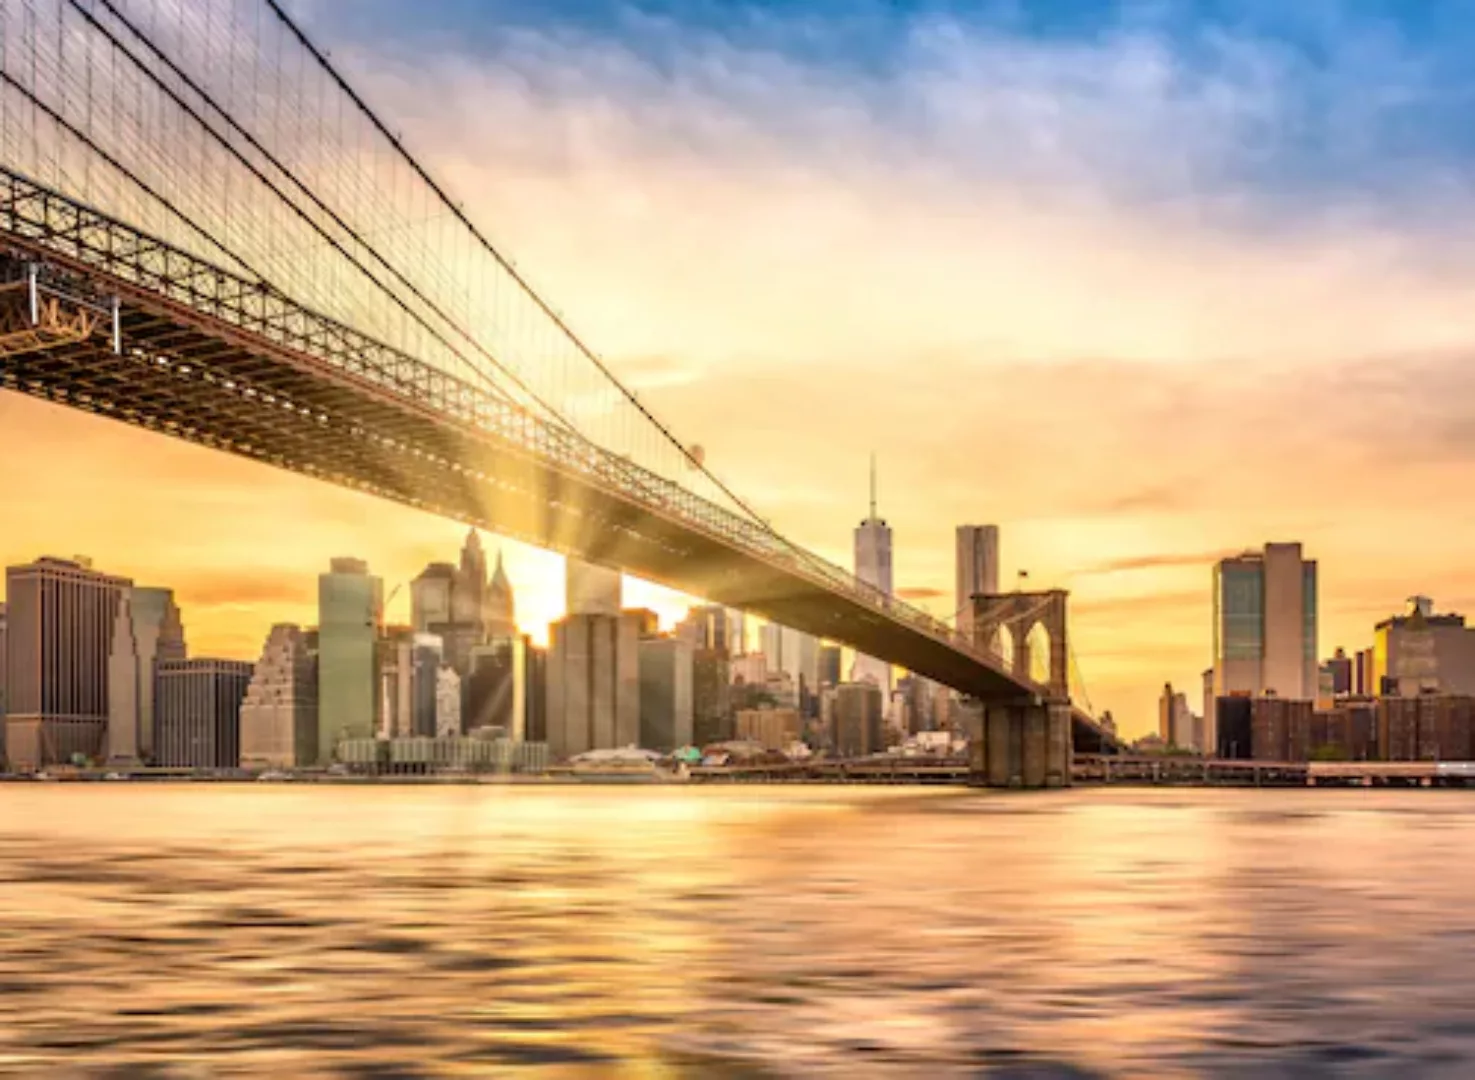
{"type": "Point", "coordinates": [1144, 284]}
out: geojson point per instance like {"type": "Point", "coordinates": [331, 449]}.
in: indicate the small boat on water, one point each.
{"type": "Point", "coordinates": [628, 766]}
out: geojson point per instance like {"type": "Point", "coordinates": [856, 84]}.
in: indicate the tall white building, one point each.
{"type": "Point", "coordinates": [447, 702]}
{"type": "Point", "coordinates": [977, 569]}
{"type": "Point", "coordinates": [873, 566]}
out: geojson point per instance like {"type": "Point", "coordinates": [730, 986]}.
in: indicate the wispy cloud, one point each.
{"type": "Point", "coordinates": [1129, 563]}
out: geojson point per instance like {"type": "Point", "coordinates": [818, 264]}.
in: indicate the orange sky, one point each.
{"type": "Point", "coordinates": [1129, 387]}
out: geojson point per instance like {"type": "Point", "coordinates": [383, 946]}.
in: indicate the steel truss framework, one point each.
{"type": "Point", "coordinates": [201, 354]}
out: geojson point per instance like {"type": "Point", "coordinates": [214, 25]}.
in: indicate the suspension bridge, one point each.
{"type": "Point", "coordinates": [207, 233]}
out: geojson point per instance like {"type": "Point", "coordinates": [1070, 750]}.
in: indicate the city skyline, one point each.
{"type": "Point", "coordinates": [1126, 491]}
{"type": "Point", "coordinates": [674, 621]}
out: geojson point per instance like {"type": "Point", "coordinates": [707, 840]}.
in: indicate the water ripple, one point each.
{"type": "Point", "coordinates": [381, 932]}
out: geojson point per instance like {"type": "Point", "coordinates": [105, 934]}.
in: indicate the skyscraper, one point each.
{"type": "Point", "coordinates": [1175, 720]}
{"type": "Point", "coordinates": [467, 628]}
{"type": "Point", "coordinates": [771, 643]}
{"type": "Point", "coordinates": [857, 719]}
{"type": "Point", "coordinates": [459, 605]}
{"type": "Point", "coordinates": [471, 585]}
{"type": "Point", "coordinates": [712, 626]}
{"type": "Point", "coordinates": [873, 566]}
{"type": "Point", "coordinates": [147, 629]}
{"type": "Point", "coordinates": [591, 589]}
{"type": "Point", "coordinates": [61, 616]}
{"type": "Point", "coordinates": [199, 712]}
{"type": "Point", "coordinates": [279, 716]}
{"type": "Point", "coordinates": [1265, 625]}
{"type": "Point", "coordinates": [533, 702]}
{"type": "Point", "coordinates": [801, 660]}
{"type": "Point", "coordinates": [711, 693]}
{"type": "Point", "coordinates": [350, 615]}
{"type": "Point", "coordinates": [427, 657]}
{"type": "Point", "coordinates": [506, 689]}
{"type": "Point", "coordinates": [977, 568]}
{"type": "Point", "coordinates": [430, 598]}
{"type": "Point", "coordinates": [499, 606]}
{"type": "Point", "coordinates": [124, 686]}
{"type": "Point", "coordinates": [490, 687]}
{"type": "Point", "coordinates": [446, 687]}
{"type": "Point", "coordinates": [1340, 666]}
{"type": "Point", "coordinates": [396, 682]}
{"type": "Point", "coordinates": [830, 658]}
{"type": "Point", "coordinates": [666, 705]}
{"type": "Point", "coordinates": [594, 683]}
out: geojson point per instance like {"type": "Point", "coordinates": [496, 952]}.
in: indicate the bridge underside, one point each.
{"type": "Point", "coordinates": [406, 432]}
{"type": "Point", "coordinates": [189, 376]}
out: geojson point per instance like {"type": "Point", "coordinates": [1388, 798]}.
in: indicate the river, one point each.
{"type": "Point", "coordinates": [217, 930]}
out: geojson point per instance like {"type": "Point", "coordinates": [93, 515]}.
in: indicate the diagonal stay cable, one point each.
{"type": "Point", "coordinates": [143, 185]}
{"type": "Point", "coordinates": [263, 282]}
{"type": "Point", "coordinates": [578, 343]}
{"type": "Point", "coordinates": [282, 196]}
{"type": "Point", "coordinates": [631, 475]}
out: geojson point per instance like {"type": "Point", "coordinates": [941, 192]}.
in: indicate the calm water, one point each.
{"type": "Point", "coordinates": [217, 931]}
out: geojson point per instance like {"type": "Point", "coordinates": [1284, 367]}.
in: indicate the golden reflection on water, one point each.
{"type": "Point", "coordinates": [567, 931]}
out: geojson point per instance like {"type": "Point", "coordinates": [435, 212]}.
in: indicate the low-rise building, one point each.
{"type": "Point", "coordinates": [775, 729]}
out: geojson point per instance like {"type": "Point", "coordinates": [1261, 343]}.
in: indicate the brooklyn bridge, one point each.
{"type": "Point", "coordinates": [207, 233]}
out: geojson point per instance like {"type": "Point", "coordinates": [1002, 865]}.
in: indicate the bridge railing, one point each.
{"type": "Point", "coordinates": [52, 222]}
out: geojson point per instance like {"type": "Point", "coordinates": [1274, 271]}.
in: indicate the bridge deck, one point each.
{"type": "Point", "coordinates": [224, 362]}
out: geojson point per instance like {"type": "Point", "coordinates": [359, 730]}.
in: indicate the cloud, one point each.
{"type": "Point", "coordinates": [226, 589]}
{"type": "Point", "coordinates": [920, 593]}
{"type": "Point", "coordinates": [645, 372]}
{"type": "Point", "coordinates": [1129, 563]}
{"type": "Point", "coordinates": [1148, 500]}
{"type": "Point", "coordinates": [1143, 605]}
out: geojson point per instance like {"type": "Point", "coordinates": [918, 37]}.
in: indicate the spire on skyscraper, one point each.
{"type": "Point", "coordinates": [873, 486]}
{"type": "Point", "coordinates": [498, 610]}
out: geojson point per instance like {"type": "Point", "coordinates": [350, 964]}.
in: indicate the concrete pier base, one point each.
{"type": "Point", "coordinates": [1023, 745]}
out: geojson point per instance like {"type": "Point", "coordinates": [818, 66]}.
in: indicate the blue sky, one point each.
{"type": "Point", "coordinates": [1311, 99]}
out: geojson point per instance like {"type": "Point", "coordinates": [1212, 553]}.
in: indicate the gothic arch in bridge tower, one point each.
{"type": "Point", "coordinates": [1037, 650]}
{"type": "Point", "coordinates": [1031, 630]}
{"type": "Point", "coordinates": [1001, 644]}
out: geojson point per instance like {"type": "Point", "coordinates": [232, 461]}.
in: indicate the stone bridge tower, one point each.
{"type": "Point", "coordinates": [1008, 623]}
{"type": "Point", "coordinates": [1025, 742]}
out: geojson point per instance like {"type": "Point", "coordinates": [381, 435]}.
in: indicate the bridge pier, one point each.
{"type": "Point", "coordinates": [1023, 745]}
